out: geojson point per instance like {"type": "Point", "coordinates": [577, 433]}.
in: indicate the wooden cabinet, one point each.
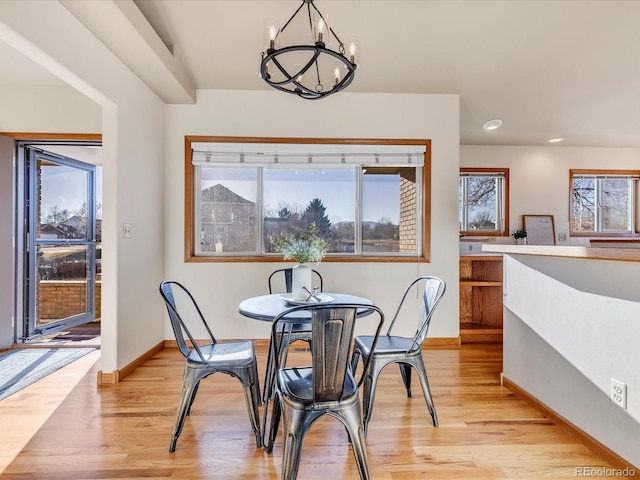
{"type": "Point", "coordinates": [481, 298]}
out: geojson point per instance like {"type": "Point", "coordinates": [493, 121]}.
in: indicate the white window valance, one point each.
{"type": "Point", "coordinates": [310, 155]}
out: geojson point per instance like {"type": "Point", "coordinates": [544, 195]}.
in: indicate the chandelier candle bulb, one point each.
{"type": "Point", "coordinates": [321, 26]}
{"type": "Point", "coordinates": [270, 33]}
{"type": "Point", "coordinates": [353, 43]}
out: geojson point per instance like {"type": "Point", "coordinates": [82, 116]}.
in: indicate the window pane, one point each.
{"type": "Point", "coordinates": [584, 204]}
{"type": "Point", "coordinates": [615, 204]}
{"type": "Point", "coordinates": [389, 210]}
{"type": "Point", "coordinates": [482, 205]}
{"type": "Point", "coordinates": [228, 209]}
{"type": "Point", "coordinates": [296, 198]}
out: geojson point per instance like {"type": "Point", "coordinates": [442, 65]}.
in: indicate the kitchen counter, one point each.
{"type": "Point", "coordinates": [593, 253]}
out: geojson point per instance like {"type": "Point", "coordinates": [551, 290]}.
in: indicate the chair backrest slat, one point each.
{"type": "Point", "coordinates": [333, 327]}
{"type": "Point", "coordinates": [434, 289]}
{"type": "Point", "coordinates": [332, 333]}
{"type": "Point", "coordinates": [432, 293]}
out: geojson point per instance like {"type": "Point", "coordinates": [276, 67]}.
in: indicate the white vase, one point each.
{"type": "Point", "coordinates": [300, 277]}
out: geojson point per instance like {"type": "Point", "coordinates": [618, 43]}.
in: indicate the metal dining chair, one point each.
{"type": "Point", "coordinates": [237, 359]}
{"type": "Point", "coordinates": [300, 331]}
{"type": "Point", "coordinates": [377, 353]}
{"type": "Point", "coordinates": [287, 273]}
{"type": "Point", "coordinates": [327, 387]}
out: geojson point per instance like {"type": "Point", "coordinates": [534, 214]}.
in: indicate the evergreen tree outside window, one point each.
{"type": "Point", "coordinates": [232, 200]}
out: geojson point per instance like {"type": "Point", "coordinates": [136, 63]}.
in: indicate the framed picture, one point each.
{"type": "Point", "coordinates": [540, 229]}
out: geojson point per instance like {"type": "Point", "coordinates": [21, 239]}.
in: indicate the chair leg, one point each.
{"type": "Point", "coordinates": [355, 357]}
{"type": "Point", "coordinates": [295, 424]}
{"type": "Point", "coordinates": [275, 422]}
{"type": "Point", "coordinates": [193, 398]}
{"type": "Point", "coordinates": [405, 371]}
{"type": "Point", "coordinates": [268, 373]}
{"type": "Point", "coordinates": [369, 393]}
{"type": "Point", "coordinates": [354, 425]}
{"type": "Point", "coordinates": [251, 387]}
{"type": "Point", "coordinates": [424, 382]}
{"type": "Point", "coordinates": [190, 382]}
{"type": "Point", "coordinates": [256, 390]}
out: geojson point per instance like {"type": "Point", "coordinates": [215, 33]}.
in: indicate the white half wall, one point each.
{"type": "Point", "coordinates": [571, 325]}
{"type": "Point", "coordinates": [221, 286]}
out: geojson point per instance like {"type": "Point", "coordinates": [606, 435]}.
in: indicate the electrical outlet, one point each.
{"type": "Point", "coordinates": [619, 393]}
{"type": "Point", "coordinates": [562, 237]}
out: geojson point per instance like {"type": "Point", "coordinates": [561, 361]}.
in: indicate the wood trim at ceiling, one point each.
{"type": "Point", "coordinates": [52, 136]}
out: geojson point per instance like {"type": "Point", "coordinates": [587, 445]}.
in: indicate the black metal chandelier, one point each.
{"type": "Point", "coordinates": [310, 71]}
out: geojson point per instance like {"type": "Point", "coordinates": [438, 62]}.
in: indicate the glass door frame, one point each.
{"type": "Point", "coordinates": [30, 152]}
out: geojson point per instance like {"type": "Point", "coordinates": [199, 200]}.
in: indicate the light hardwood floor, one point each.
{"type": "Point", "coordinates": [68, 427]}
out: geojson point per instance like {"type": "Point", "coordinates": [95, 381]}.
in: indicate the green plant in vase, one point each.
{"type": "Point", "coordinates": [518, 234]}
{"type": "Point", "coordinates": [304, 247]}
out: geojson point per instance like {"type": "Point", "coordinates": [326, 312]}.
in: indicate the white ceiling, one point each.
{"type": "Point", "coordinates": [547, 68]}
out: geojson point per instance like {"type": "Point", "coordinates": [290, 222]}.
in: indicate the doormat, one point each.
{"type": "Point", "coordinates": [20, 368]}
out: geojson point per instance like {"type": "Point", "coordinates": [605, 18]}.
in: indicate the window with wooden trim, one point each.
{"type": "Point", "coordinates": [483, 201]}
{"type": "Point", "coordinates": [603, 202]}
{"type": "Point", "coordinates": [367, 200]}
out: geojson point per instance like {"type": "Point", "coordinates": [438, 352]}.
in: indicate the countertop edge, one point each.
{"type": "Point", "coordinates": [589, 253]}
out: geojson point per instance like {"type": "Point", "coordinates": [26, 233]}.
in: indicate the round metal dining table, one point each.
{"type": "Point", "coordinates": [268, 307]}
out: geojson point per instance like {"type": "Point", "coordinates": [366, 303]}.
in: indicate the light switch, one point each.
{"type": "Point", "coordinates": [126, 230]}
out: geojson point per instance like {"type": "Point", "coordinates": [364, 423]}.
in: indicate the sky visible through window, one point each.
{"type": "Point", "coordinates": [334, 187]}
{"type": "Point", "coordinates": [58, 192]}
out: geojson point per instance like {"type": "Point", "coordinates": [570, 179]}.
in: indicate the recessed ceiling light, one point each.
{"type": "Point", "coordinates": [492, 124]}
{"type": "Point", "coordinates": [556, 140]}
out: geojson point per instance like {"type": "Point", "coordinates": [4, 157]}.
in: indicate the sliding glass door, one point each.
{"type": "Point", "coordinates": [60, 243]}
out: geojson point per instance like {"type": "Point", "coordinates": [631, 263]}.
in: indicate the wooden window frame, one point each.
{"type": "Point", "coordinates": [189, 208]}
{"type": "Point", "coordinates": [603, 173]}
{"type": "Point", "coordinates": [505, 227]}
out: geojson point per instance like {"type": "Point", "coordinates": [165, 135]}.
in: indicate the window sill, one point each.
{"type": "Point", "coordinates": [335, 259]}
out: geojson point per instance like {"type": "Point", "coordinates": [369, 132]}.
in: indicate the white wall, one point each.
{"type": "Point", "coordinates": [539, 177]}
{"type": "Point", "coordinates": [571, 325]}
{"type": "Point", "coordinates": [221, 286]}
{"type": "Point", "coordinates": [42, 109]}
{"type": "Point", "coordinates": [132, 125]}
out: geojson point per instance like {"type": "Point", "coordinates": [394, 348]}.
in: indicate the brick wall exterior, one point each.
{"type": "Point", "coordinates": [63, 298]}
{"type": "Point", "coordinates": [407, 215]}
